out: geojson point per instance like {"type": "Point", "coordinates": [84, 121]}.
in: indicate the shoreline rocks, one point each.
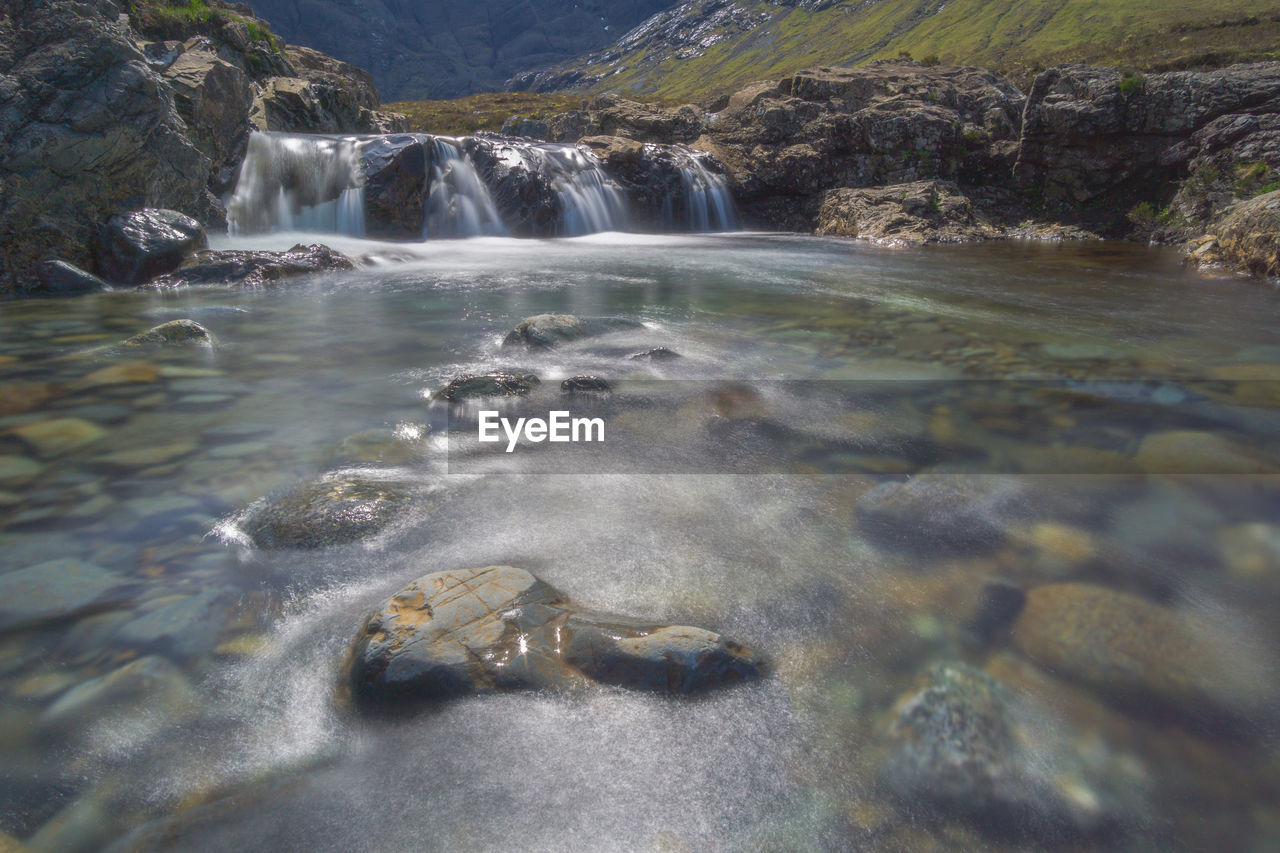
{"type": "Point", "coordinates": [499, 628]}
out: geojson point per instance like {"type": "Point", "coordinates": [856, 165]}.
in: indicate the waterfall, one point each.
{"type": "Point", "coordinates": [708, 202]}
{"type": "Point", "coordinates": [297, 182]}
{"type": "Point", "coordinates": [592, 202]}
{"type": "Point", "coordinates": [458, 204]}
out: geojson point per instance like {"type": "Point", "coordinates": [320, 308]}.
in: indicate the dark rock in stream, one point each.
{"type": "Point", "coordinates": [499, 628]}
{"type": "Point", "coordinates": [585, 385]}
{"type": "Point", "coordinates": [136, 247]}
{"type": "Point", "coordinates": [325, 513]}
{"type": "Point", "coordinates": [397, 173]}
{"type": "Point", "coordinates": [254, 268]}
{"type": "Point", "coordinates": [175, 332]}
{"type": "Point", "coordinates": [59, 278]}
{"type": "Point", "coordinates": [657, 354]}
{"type": "Point", "coordinates": [544, 331]}
{"type": "Point", "coordinates": [495, 384]}
{"type": "Point", "coordinates": [963, 744]}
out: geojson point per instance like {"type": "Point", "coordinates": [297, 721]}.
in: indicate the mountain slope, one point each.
{"type": "Point", "coordinates": [705, 47]}
{"type": "Point", "coordinates": [437, 49]}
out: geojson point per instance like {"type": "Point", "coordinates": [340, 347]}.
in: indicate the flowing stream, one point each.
{"type": "Point", "coordinates": [165, 686]}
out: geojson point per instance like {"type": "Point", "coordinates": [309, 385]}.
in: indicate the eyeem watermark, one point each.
{"type": "Point", "coordinates": [558, 426]}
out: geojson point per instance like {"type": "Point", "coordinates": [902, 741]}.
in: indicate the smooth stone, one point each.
{"type": "Point", "coordinates": [962, 744]}
{"type": "Point", "coordinates": [1144, 656]}
{"type": "Point", "coordinates": [144, 457]}
{"type": "Point", "coordinates": [499, 628]}
{"type": "Point", "coordinates": [1191, 452]}
{"type": "Point", "coordinates": [938, 514]}
{"type": "Point", "coordinates": [495, 384]}
{"type": "Point", "coordinates": [16, 470]}
{"type": "Point", "coordinates": [126, 373]}
{"type": "Point", "coordinates": [62, 435]}
{"type": "Point", "coordinates": [544, 331]}
{"type": "Point", "coordinates": [182, 627]}
{"type": "Point", "coordinates": [148, 685]}
{"type": "Point", "coordinates": [54, 590]}
{"type": "Point", "coordinates": [137, 246]}
{"type": "Point", "coordinates": [325, 513]}
{"type": "Point", "coordinates": [172, 333]}
{"type": "Point", "coordinates": [585, 385]}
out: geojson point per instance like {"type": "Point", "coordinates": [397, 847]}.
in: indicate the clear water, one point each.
{"type": "Point", "coordinates": [248, 744]}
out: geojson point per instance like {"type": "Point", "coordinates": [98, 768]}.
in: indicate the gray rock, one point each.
{"type": "Point", "coordinates": [495, 384]}
{"type": "Point", "coordinates": [397, 177]}
{"type": "Point", "coordinates": [499, 628]}
{"type": "Point", "coordinates": [182, 628]}
{"type": "Point", "coordinates": [544, 331]}
{"type": "Point", "coordinates": [585, 385]}
{"type": "Point", "coordinates": [172, 333]}
{"type": "Point", "coordinates": [213, 97]}
{"type": "Point", "coordinates": [938, 515]}
{"type": "Point", "coordinates": [657, 354]}
{"type": "Point", "coordinates": [325, 513]}
{"type": "Point", "coordinates": [254, 268]}
{"type": "Point", "coordinates": [59, 278]}
{"type": "Point", "coordinates": [136, 247]}
{"type": "Point", "coordinates": [53, 591]}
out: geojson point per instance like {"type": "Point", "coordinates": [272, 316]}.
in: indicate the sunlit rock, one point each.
{"type": "Point", "coordinates": [499, 628]}
{"type": "Point", "coordinates": [328, 512]}
{"type": "Point", "coordinates": [173, 333]}
{"type": "Point", "coordinates": [544, 331]}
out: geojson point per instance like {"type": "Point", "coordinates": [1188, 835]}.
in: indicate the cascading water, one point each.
{"type": "Point", "coordinates": [296, 182]}
{"type": "Point", "coordinates": [592, 202]}
{"type": "Point", "coordinates": [458, 204]}
{"type": "Point", "coordinates": [708, 202]}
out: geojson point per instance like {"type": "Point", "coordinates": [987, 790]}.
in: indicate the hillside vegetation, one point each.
{"type": "Point", "coordinates": [464, 116]}
{"type": "Point", "coordinates": [706, 47]}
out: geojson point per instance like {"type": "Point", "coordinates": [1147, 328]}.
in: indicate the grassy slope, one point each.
{"type": "Point", "coordinates": [1016, 36]}
{"type": "Point", "coordinates": [462, 116]}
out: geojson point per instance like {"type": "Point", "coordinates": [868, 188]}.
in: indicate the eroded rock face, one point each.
{"type": "Point", "coordinates": [499, 628]}
{"type": "Point", "coordinates": [906, 214]}
{"type": "Point", "coordinates": [544, 331]}
{"type": "Point", "coordinates": [397, 172]}
{"type": "Point", "coordinates": [1245, 238]}
{"type": "Point", "coordinates": [245, 268]}
{"type": "Point", "coordinates": [138, 246]}
{"type": "Point", "coordinates": [330, 512]}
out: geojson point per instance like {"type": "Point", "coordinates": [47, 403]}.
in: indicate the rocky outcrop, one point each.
{"type": "Point", "coordinates": [138, 246]}
{"type": "Point", "coordinates": [1245, 237]}
{"type": "Point", "coordinates": [902, 215]}
{"type": "Point", "coordinates": [245, 268]}
{"type": "Point", "coordinates": [499, 628]}
{"type": "Point", "coordinates": [1096, 144]}
{"type": "Point", "coordinates": [663, 183]}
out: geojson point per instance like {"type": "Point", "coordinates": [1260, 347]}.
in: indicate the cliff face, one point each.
{"type": "Point", "coordinates": [433, 49]}
{"type": "Point", "coordinates": [106, 108]}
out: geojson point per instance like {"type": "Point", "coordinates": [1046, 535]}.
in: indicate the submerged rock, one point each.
{"type": "Point", "coordinates": [136, 247]}
{"type": "Point", "coordinates": [174, 332]}
{"type": "Point", "coordinates": [495, 384]}
{"type": "Point", "coordinates": [938, 515]}
{"type": "Point", "coordinates": [149, 685]}
{"type": "Point", "coordinates": [963, 744]}
{"type": "Point", "coordinates": [499, 628]}
{"type": "Point", "coordinates": [328, 512]}
{"type": "Point", "coordinates": [254, 268]}
{"type": "Point", "coordinates": [544, 331]}
{"type": "Point", "coordinates": [1145, 656]}
{"type": "Point", "coordinates": [55, 590]}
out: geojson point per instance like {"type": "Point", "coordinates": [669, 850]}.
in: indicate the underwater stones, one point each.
{"type": "Point", "coordinates": [16, 470]}
{"type": "Point", "coordinates": [963, 744]}
{"type": "Point", "coordinates": [138, 246]}
{"type": "Point", "coordinates": [937, 515]}
{"type": "Point", "coordinates": [585, 385]}
{"type": "Point", "coordinates": [499, 628]}
{"type": "Point", "coordinates": [145, 457]}
{"type": "Point", "coordinates": [1142, 655]}
{"type": "Point", "coordinates": [656, 354]}
{"type": "Point", "coordinates": [1193, 452]}
{"type": "Point", "coordinates": [146, 685]}
{"type": "Point", "coordinates": [544, 331]}
{"type": "Point", "coordinates": [495, 384]}
{"type": "Point", "coordinates": [60, 435]}
{"type": "Point", "coordinates": [172, 333]}
{"type": "Point", "coordinates": [329, 512]}
{"type": "Point", "coordinates": [53, 590]}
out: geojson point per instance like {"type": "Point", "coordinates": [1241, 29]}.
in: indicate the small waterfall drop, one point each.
{"type": "Point", "coordinates": [459, 204]}
{"type": "Point", "coordinates": [592, 202]}
{"type": "Point", "coordinates": [297, 182]}
{"type": "Point", "coordinates": [708, 202]}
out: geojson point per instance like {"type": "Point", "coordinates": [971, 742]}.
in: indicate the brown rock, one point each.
{"type": "Point", "coordinates": [906, 214]}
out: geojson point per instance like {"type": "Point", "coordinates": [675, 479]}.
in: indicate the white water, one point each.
{"type": "Point", "coordinates": [708, 200]}
{"type": "Point", "coordinates": [459, 204]}
{"type": "Point", "coordinates": [297, 182]}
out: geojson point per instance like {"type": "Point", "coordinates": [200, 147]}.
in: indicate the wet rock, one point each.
{"type": "Point", "coordinates": [1251, 551]}
{"type": "Point", "coordinates": [58, 436]}
{"type": "Point", "coordinates": [964, 745]}
{"type": "Point", "coordinates": [657, 354]}
{"type": "Point", "coordinates": [495, 384]}
{"type": "Point", "coordinates": [585, 385]}
{"type": "Point", "coordinates": [329, 512]}
{"type": "Point", "coordinates": [59, 278]}
{"type": "Point", "coordinates": [499, 628]}
{"type": "Point", "coordinates": [904, 214]}
{"type": "Point", "coordinates": [54, 591]}
{"type": "Point", "coordinates": [1193, 452]}
{"type": "Point", "coordinates": [938, 515]}
{"type": "Point", "coordinates": [374, 446]}
{"type": "Point", "coordinates": [544, 331]}
{"type": "Point", "coordinates": [1245, 238]}
{"type": "Point", "coordinates": [397, 178]}
{"type": "Point", "coordinates": [213, 97]}
{"type": "Point", "coordinates": [172, 333]}
{"type": "Point", "coordinates": [254, 268]}
{"type": "Point", "coordinates": [1145, 656]}
{"type": "Point", "coordinates": [136, 247]}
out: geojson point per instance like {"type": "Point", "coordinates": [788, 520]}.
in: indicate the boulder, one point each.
{"type": "Point", "coordinates": [905, 214]}
{"type": "Point", "coordinates": [495, 384]}
{"type": "Point", "coordinates": [172, 333]}
{"type": "Point", "coordinates": [523, 190]}
{"type": "Point", "coordinates": [499, 628]}
{"type": "Point", "coordinates": [961, 744]}
{"type": "Point", "coordinates": [136, 247]}
{"type": "Point", "coordinates": [245, 268]}
{"type": "Point", "coordinates": [1245, 238]}
{"type": "Point", "coordinates": [335, 511]}
{"type": "Point", "coordinates": [397, 172]}
{"type": "Point", "coordinates": [1146, 657]}
{"type": "Point", "coordinates": [544, 331]}
{"type": "Point", "coordinates": [59, 278]}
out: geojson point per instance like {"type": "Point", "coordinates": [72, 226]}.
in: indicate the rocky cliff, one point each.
{"type": "Point", "coordinates": [106, 108]}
